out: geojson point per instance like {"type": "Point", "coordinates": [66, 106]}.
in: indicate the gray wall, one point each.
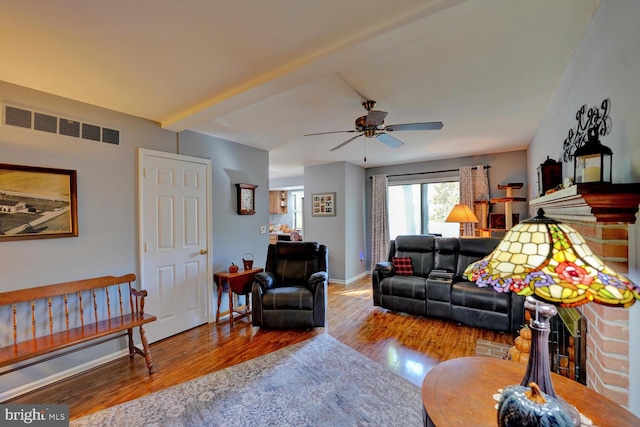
{"type": "Point", "coordinates": [233, 234]}
{"type": "Point", "coordinates": [355, 222]}
{"type": "Point", "coordinates": [605, 65]}
{"type": "Point", "coordinates": [505, 168]}
{"type": "Point", "coordinates": [343, 233]}
{"type": "Point", "coordinates": [107, 206]}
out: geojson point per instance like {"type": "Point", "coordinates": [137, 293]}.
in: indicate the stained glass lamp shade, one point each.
{"type": "Point", "coordinates": [550, 264]}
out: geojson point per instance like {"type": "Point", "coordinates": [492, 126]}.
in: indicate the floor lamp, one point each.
{"type": "Point", "coordinates": [551, 265]}
{"type": "Point", "coordinates": [463, 214]}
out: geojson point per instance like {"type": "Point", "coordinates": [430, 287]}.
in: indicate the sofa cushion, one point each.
{"type": "Point", "coordinates": [288, 297]}
{"type": "Point", "coordinates": [405, 286]}
{"type": "Point", "coordinates": [472, 249]}
{"type": "Point", "coordinates": [420, 249]}
{"type": "Point", "coordinates": [469, 295]}
{"type": "Point", "coordinates": [446, 257]}
{"type": "Point", "coordinates": [403, 266]}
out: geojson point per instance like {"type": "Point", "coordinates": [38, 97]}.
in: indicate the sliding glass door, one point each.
{"type": "Point", "coordinates": [422, 207]}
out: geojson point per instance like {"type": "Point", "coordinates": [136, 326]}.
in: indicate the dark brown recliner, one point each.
{"type": "Point", "coordinates": [292, 291]}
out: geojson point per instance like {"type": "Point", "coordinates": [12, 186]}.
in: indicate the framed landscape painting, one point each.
{"type": "Point", "coordinates": [37, 203]}
{"type": "Point", "coordinates": [323, 204]}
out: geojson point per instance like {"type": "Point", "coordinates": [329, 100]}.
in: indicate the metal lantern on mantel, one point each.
{"type": "Point", "coordinates": [592, 161]}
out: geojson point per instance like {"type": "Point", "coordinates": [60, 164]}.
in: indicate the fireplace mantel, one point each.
{"type": "Point", "coordinates": [602, 214]}
{"type": "Point", "coordinates": [592, 202]}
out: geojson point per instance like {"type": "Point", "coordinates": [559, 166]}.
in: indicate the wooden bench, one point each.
{"type": "Point", "coordinates": [49, 318]}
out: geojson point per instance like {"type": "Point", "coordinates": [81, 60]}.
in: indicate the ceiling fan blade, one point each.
{"type": "Point", "coordinates": [389, 141]}
{"type": "Point", "coordinates": [335, 131]}
{"type": "Point", "coordinates": [415, 126]}
{"type": "Point", "coordinates": [346, 142]}
{"type": "Point", "coordinates": [375, 118]}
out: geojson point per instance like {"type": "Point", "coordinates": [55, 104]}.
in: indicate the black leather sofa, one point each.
{"type": "Point", "coordinates": [437, 288]}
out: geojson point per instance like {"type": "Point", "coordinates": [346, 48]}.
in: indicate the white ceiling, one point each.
{"type": "Point", "coordinates": [264, 73]}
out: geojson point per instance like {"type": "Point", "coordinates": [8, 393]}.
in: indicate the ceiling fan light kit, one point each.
{"type": "Point", "coordinates": [372, 126]}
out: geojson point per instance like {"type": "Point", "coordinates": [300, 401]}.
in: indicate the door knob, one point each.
{"type": "Point", "coordinates": [203, 251]}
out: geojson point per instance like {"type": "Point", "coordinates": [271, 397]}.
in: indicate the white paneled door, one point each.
{"type": "Point", "coordinates": [174, 212]}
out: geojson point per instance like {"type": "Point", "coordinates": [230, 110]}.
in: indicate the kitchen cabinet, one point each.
{"type": "Point", "coordinates": [277, 202]}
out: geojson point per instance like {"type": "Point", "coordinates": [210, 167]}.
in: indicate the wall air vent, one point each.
{"type": "Point", "coordinates": [27, 118]}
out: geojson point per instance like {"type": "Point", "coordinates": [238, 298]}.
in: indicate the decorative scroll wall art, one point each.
{"type": "Point", "coordinates": [587, 119]}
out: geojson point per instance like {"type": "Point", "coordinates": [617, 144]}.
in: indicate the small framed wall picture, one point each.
{"type": "Point", "coordinates": [323, 204]}
{"type": "Point", "coordinates": [246, 199]}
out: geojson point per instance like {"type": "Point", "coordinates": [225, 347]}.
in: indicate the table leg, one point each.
{"type": "Point", "coordinates": [219, 300]}
{"type": "Point", "coordinates": [230, 306]}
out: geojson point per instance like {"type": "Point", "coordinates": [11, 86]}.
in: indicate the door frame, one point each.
{"type": "Point", "coordinates": [145, 152]}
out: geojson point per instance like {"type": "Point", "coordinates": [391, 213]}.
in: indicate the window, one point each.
{"type": "Point", "coordinates": [422, 207]}
{"type": "Point", "coordinates": [296, 207]}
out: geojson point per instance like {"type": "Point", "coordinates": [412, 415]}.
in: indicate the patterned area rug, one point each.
{"type": "Point", "coordinates": [319, 382]}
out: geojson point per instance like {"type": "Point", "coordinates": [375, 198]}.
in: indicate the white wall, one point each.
{"type": "Point", "coordinates": [605, 65]}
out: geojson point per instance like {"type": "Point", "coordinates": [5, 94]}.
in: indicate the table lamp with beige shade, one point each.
{"type": "Point", "coordinates": [550, 264]}
{"type": "Point", "coordinates": [463, 214]}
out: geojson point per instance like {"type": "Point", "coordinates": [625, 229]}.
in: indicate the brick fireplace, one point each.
{"type": "Point", "coordinates": [602, 214]}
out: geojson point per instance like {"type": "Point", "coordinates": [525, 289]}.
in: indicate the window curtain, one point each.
{"type": "Point", "coordinates": [379, 220]}
{"type": "Point", "coordinates": [474, 186]}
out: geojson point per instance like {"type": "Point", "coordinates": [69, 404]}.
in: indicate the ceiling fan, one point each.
{"type": "Point", "coordinates": [372, 126]}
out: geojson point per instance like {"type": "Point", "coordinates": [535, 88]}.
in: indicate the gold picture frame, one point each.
{"type": "Point", "coordinates": [37, 203]}
{"type": "Point", "coordinates": [323, 204]}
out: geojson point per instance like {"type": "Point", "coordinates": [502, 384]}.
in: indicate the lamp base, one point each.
{"type": "Point", "coordinates": [539, 366]}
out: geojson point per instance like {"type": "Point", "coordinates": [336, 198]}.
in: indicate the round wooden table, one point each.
{"type": "Point", "coordinates": [459, 392]}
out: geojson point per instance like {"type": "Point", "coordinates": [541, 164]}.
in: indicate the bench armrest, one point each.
{"type": "Point", "coordinates": [139, 293]}
{"type": "Point", "coordinates": [139, 297]}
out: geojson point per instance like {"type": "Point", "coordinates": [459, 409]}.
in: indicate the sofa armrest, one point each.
{"type": "Point", "coordinates": [385, 268]}
{"type": "Point", "coordinates": [265, 280]}
{"type": "Point", "coordinates": [440, 275]}
{"type": "Point", "coordinates": [317, 279]}
{"type": "Point", "coordinates": [381, 271]}
{"type": "Point", "coordinates": [517, 312]}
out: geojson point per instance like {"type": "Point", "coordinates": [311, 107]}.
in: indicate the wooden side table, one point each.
{"type": "Point", "coordinates": [240, 284]}
{"type": "Point", "coordinates": [459, 392]}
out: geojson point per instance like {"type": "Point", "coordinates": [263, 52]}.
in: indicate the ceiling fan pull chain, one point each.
{"type": "Point", "coordinates": [365, 150]}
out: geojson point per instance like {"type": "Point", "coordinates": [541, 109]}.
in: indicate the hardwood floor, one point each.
{"type": "Point", "coordinates": [406, 344]}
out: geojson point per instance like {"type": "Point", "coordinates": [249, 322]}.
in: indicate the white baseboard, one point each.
{"type": "Point", "coordinates": [26, 388]}
{"type": "Point", "coordinates": [349, 280]}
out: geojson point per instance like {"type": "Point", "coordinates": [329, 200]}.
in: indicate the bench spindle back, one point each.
{"type": "Point", "coordinates": [101, 300]}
